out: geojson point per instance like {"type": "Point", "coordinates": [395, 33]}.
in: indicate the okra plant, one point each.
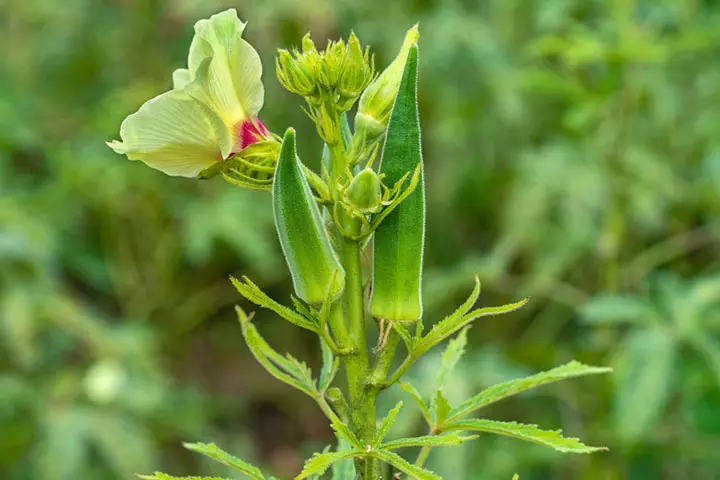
{"type": "Point", "coordinates": [365, 202]}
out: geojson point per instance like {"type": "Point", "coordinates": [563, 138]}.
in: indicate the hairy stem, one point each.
{"type": "Point", "coordinates": [360, 398]}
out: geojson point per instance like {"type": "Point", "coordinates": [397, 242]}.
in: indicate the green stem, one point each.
{"type": "Point", "coordinates": [360, 398]}
{"type": "Point", "coordinates": [423, 455]}
{"type": "Point", "coordinates": [384, 361]}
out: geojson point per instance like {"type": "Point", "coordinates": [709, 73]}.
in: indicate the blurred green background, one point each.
{"type": "Point", "coordinates": [572, 153]}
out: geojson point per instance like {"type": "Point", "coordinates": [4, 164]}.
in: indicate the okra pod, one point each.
{"type": "Point", "coordinates": [304, 239]}
{"type": "Point", "coordinates": [399, 239]}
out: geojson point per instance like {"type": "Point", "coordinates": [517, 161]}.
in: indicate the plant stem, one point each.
{"type": "Point", "coordinates": [423, 455]}
{"type": "Point", "coordinates": [360, 398]}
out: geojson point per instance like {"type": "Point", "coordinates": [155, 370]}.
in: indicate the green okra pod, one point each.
{"type": "Point", "coordinates": [303, 237]}
{"type": "Point", "coordinates": [399, 239]}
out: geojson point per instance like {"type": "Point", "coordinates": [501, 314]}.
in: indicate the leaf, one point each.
{"type": "Point", "coordinates": [418, 400]}
{"type": "Point", "coordinates": [320, 462]}
{"type": "Point", "coordinates": [165, 476]}
{"type": "Point", "coordinates": [212, 451]}
{"type": "Point", "coordinates": [404, 466]}
{"type": "Point", "coordinates": [278, 366]}
{"type": "Point", "coordinates": [253, 293]}
{"type": "Point", "coordinates": [404, 334]}
{"type": "Point", "coordinates": [529, 433]}
{"type": "Point", "coordinates": [451, 356]}
{"type": "Point", "coordinates": [441, 407]}
{"type": "Point", "coordinates": [513, 387]}
{"type": "Point", "coordinates": [608, 309]}
{"type": "Point", "coordinates": [329, 367]}
{"type": "Point", "coordinates": [453, 323]}
{"type": "Point", "coordinates": [445, 440]}
{"type": "Point", "coordinates": [343, 469]}
{"type": "Point", "coordinates": [387, 423]}
{"type": "Point", "coordinates": [343, 432]}
{"type": "Point", "coordinates": [398, 243]}
{"type": "Point", "coordinates": [304, 240]}
{"type": "Point", "coordinates": [643, 381]}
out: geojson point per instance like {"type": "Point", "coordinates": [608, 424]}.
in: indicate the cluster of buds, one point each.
{"type": "Point", "coordinates": [331, 80]}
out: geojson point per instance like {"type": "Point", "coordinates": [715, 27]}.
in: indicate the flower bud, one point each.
{"type": "Point", "coordinates": [368, 126]}
{"type": "Point", "coordinates": [331, 66]}
{"type": "Point", "coordinates": [356, 75]}
{"type": "Point", "coordinates": [378, 98]}
{"type": "Point", "coordinates": [365, 192]}
{"type": "Point", "coordinates": [295, 73]}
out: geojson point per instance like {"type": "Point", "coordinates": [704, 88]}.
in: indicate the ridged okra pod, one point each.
{"type": "Point", "coordinates": [303, 237]}
{"type": "Point", "coordinates": [399, 239]}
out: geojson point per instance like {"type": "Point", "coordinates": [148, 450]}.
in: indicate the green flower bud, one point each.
{"type": "Point", "coordinates": [331, 67]}
{"type": "Point", "coordinates": [308, 45]}
{"type": "Point", "coordinates": [357, 73]}
{"type": "Point", "coordinates": [295, 73]}
{"type": "Point", "coordinates": [368, 126]}
{"type": "Point", "coordinates": [365, 192]}
{"type": "Point", "coordinates": [378, 98]}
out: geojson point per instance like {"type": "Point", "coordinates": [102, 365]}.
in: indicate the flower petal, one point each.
{"type": "Point", "coordinates": [180, 77]}
{"type": "Point", "coordinates": [175, 134]}
{"type": "Point", "coordinates": [231, 80]}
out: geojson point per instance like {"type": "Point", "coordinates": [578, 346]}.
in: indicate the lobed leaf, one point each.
{"type": "Point", "coordinates": [212, 451]}
{"type": "Point", "coordinates": [503, 390]}
{"type": "Point", "coordinates": [329, 369]}
{"type": "Point", "coordinates": [418, 400]}
{"type": "Point", "coordinates": [278, 366]}
{"type": "Point", "coordinates": [253, 293]}
{"type": "Point", "coordinates": [320, 462]}
{"type": "Point", "coordinates": [445, 440]}
{"type": "Point", "coordinates": [413, 471]}
{"type": "Point", "coordinates": [165, 476]}
{"type": "Point", "coordinates": [343, 469]}
{"type": "Point", "coordinates": [529, 433]}
{"type": "Point", "coordinates": [451, 356]}
{"type": "Point", "coordinates": [453, 323]}
{"type": "Point", "coordinates": [387, 423]}
{"type": "Point", "coordinates": [343, 432]}
{"type": "Point", "coordinates": [441, 407]}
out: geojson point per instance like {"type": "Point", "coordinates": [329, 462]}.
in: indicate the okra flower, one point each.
{"type": "Point", "coordinates": [212, 112]}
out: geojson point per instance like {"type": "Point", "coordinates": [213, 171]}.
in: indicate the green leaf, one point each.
{"type": "Point", "coordinates": [418, 400]}
{"type": "Point", "coordinates": [445, 440]}
{"type": "Point", "coordinates": [212, 451]}
{"type": "Point", "coordinates": [643, 382]}
{"type": "Point", "coordinates": [441, 407]}
{"type": "Point", "coordinates": [387, 423]}
{"type": "Point", "coordinates": [451, 356]}
{"type": "Point", "coordinates": [288, 371]}
{"type": "Point", "coordinates": [615, 309]}
{"type": "Point", "coordinates": [329, 369]}
{"type": "Point", "coordinates": [165, 476]}
{"type": "Point", "coordinates": [529, 433]}
{"type": "Point", "coordinates": [399, 240]}
{"type": "Point", "coordinates": [453, 323]}
{"type": "Point", "coordinates": [253, 293]}
{"type": "Point", "coordinates": [414, 472]}
{"type": "Point", "coordinates": [513, 387]}
{"type": "Point", "coordinates": [320, 462]}
{"type": "Point", "coordinates": [305, 242]}
{"type": "Point", "coordinates": [343, 432]}
{"type": "Point", "coordinates": [344, 469]}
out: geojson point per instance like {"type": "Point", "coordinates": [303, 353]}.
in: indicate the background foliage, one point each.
{"type": "Point", "coordinates": [573, 154]}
